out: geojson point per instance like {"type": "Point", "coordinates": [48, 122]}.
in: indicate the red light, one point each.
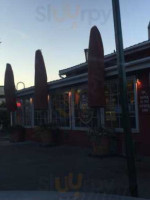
{"type": "Point", "coordinates": [18, 104]}
{"type": "Point", "coordinates": [139, 84]}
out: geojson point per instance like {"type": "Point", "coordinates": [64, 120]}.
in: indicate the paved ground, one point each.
{"type": "Point", "coordinates": [46, 195]}
{"type": "Point", "coordinates": [28, 166]}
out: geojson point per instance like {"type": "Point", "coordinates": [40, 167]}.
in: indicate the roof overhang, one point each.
{"type": "Point", "coordinates": [83, 78]}
{"type": "Point", "coordinates": [133, 49]}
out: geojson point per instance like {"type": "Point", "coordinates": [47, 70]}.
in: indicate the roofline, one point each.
{"type": "Point", "coordinates": [70, 69]}
{"type": "Point", "coordinates": [82, 78]}
{"type": "Point", "coordinates": [128, 50]}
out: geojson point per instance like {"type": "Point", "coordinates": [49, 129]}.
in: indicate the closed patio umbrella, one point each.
{"type": "Point", "coordinates": [96, 93]}
{"type": "Point", "coordinates": [41, 89]}
{"type": "Point", "coordinates": [9, 89]}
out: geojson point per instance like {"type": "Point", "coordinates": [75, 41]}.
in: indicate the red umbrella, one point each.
{"type": "Point", "coordinates": [96, 93]}
{"type": "Point", "coordinates": [9, 89]}
{"type": "Point", "coordinates": [41, 89]}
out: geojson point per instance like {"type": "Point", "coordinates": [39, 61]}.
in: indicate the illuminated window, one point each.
{"type": "Point", "coordinates": [60, 104]}
{"type": "Point", "coordinates": [83, 115]}
{"type": "Point", "coordinates": [113, 111]}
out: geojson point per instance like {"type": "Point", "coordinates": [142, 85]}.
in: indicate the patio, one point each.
{"type": "Point", "coordinates": [28, 166]}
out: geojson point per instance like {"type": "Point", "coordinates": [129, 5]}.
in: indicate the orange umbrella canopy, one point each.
{"type": "Point", "coordinates": [96, 93]}
{"type": "Point", "coordinates": [9, 89]}
{"type": "Point", "coordinates": [41, 89]}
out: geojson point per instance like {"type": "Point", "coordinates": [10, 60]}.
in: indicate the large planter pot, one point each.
{"type": "Point", "coordinates": [46, 139]}
{"type": "Point", "coordinates": [47, 135]}
{"type": "Point", "coordinates": [101, 147]}
{"type": "Point", "coordinates": [17, 134]}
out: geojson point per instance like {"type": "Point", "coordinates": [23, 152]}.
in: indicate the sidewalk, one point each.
{"type": "Point", "coordinates": [58, 196]}
{"type": "Point", "coordinates": [30, 167]}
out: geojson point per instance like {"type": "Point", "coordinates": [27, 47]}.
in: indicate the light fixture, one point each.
{"type": "Point", "coordinates": [139, 83]}
{"type": "Point", "coordinates": [31, 100]}
{"type": "Point", "coordinates": [69, 94]}
{"type": "Point", "coordinates": [18, 104]}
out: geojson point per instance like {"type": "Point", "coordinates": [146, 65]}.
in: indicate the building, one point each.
{"type": "Point", "coordinates": [2, 98]}
{"type": "Point", "coordinates": [68, 105]}
{"type": "Point", "coordinates": [4, 118]}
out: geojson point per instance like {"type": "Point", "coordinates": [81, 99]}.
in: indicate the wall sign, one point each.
{"type": "Point", "coordinates": [144, 101]}
{"type": "Point", "coordinates": [86, 114]}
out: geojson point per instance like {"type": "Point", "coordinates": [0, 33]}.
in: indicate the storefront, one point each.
{"type": "Point", "coordinates": [68, 101]}
{"type": "Point", "coordinates": [4, 115]}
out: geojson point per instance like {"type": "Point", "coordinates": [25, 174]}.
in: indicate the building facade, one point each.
{"type": "Point", "coordinates": [4, 117]}
{"type": "Point", "coordinates": [68, 101]}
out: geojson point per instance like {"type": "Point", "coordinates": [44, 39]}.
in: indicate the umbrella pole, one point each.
{"type": "Point", "coordinates": [11, 119]}
{"type": "Point", "coordinates": [124, 101]}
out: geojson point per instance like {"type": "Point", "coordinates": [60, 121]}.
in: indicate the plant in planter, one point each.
{"type": "Point", "coordinates": [17, 133]}
{"type": "Point", "coordinates": [100, 138]}
{"type": "Point", "coordinates": [47, 134]}
{"type": "Point", "coordinates": [43, 135]}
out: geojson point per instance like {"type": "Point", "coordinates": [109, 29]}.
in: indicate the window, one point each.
{"type": "Point", "coordinates": [2, 102]}
{"type": "Point", "coordinates": [19, 113]}
{"type": "Point", "coordinates": [27, 112]}
{"type": "Point", "coordinates": [60, 104]}
{"type": "Point", "coordinates": [40, 117]}
{"type": "Point", "coordinates": [113, 107]}
{"type": "Point", "coordinates": [69, 108]}
{"type": "Point", "coordinates": [24, 112]}
{"type": "Point", "coordinates": [83, 115]}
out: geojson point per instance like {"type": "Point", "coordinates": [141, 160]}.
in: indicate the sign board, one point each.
{"type": "Point", "coordinates": [144, 101]}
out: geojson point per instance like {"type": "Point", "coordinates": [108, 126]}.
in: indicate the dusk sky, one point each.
{"type": "Point", "coordinates": [60, 28]}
